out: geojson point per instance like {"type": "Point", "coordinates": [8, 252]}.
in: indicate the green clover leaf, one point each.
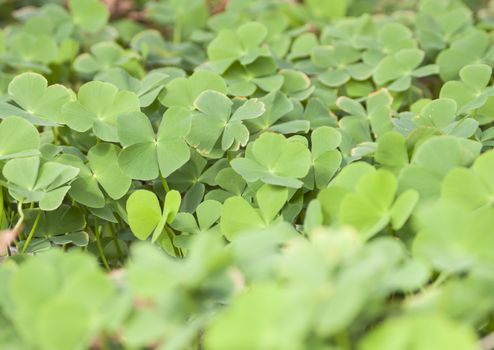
{"type": "Point", "coordinates": [183, 91]}
{"type": "Point", "coordinates": [98, 107]}
{"type": "Point", "coordinates": [374, 204]}
{"type": "Point", "coordinates": [242, 45]}
{"type": "Point", "coordinates": [470, 48]}
{"type": "Point", "coordinates": [437, 332]}
{"type": "Point", "coordinates": [275, 160]}
{"type": "Point", "coordinates": [341, 65]}
{"type": "Point", "coordinates": [471, 92]}
{"type": "Point", "coordinates": [147, 89]}
{"type": "Point", "coordinates": [39, 103]}
{"type": "Point", "coordinates": [30, 181]}
{"type": "Point", "coordinates": [85, 188]}
{"type": "Point", "coordinates": [473, 187]}
{"type": "Point", "coordinates": [277, 106]}
{"type": "Point", "coordinates": [103, 162]}
{"type": "Point", "coordinates": [296, 84]}
{"type": "Point", "coordinates": [377, 115]}
{"type": "Point", "coordinates": [61, 226]}
{"type": "Point", "coordinates": [90, 15]}
{"type": "Point", "coordinates": [433, 159]}
{"type": "Point", "coordinates": [238, 215]}
{"type": "Point", "coordinates": [326, 159]}
{"type": "Point", "coordinates": [438, 23]}
{"type": "Point", "coordinates": [453, 239]}
{"type": "Point", "coordinates": [146, 155]}
{"type": "Point", "coordinates": [145, 215]}
{"type": "Point", "coordinates": [215, 121]}
{"type": "Point", "coordinates": [245, 80]}
{"type": "Point", "coordinates": [104, 56]}
{"type": "Point", "coordinates": [208, 213]}
{"type": "Point", "coordinates": [397, 70]}
{"type": "Point", "coordinates": [324, 9]}
{"type": "Point", "coordinates": [18, 138]}
{"type": "Point", "coordinates": [391, 152]}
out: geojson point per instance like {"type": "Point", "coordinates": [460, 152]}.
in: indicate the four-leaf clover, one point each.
{"type": "Point", "coordinates": [215, 121]}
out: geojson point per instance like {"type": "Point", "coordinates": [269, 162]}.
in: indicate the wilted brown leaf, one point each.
{"type": "Point", "coordinates": [8, 236]}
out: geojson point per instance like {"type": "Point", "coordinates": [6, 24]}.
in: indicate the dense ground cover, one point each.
{"type": "Point", "coordinates": [305, 175]}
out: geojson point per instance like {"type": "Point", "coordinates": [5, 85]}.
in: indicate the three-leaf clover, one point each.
{"type": "Point", "coordinates": [146, 154]}
{"type": "Point", "coordinates": [375, 204]}
{"type": "Point", "coordinates": [238, 215]}
{"type": "Point", "coordinates": [38, 103]}
{"type": "Point", "coordinates": [104, 56]}
{"type": "Point", "coordinates": [441, 114]}
{"type": "Point", "coordinates": [341, 64]}
{"type": "Point", "coordinates": [208, 213]}
{"type": "Point", "coordinates": [471, 48]}
{"type": "Point", "coordinates": [275, 160]}
{"type": "Point", "coordinates": [98, 107]}
{"type": "Point", "coordinates": [438, 23]}
{"type": "Point", "coordinates": [242, 45]}
{"type": "Point", "coordinates": [471, 92]}
{"type": "Point", "coordinates": [30, 181]}
{"type": "Point", "coordinates": [397, 70]}
{"type": "Point", "coordinates": [244, 80]}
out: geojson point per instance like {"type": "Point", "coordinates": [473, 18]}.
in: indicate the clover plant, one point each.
{"type": "Point", "coordinates": [246, 174]}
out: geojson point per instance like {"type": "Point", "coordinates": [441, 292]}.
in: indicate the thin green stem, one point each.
{"type": "Point", "coordinates": [441, 279]}
{"type": "Point", "coordinates": [20, 222]}
{"type": "Point", "coordinates": [170, 234]}
{"type": "Point", "coordinates": [31, 233]}
{"type": "Point", "coordinates": [54, 131]}
{"type": "Point", "coordinates": [115, 241]}
{"type": "Point", "coordinates": [165, 184]}
{"type": "Point", "coordinates": [391, 232]}
{"type": "Point", "coordinates": [21, 214]}
{"type": "Point", "coordinates": [98, 244]}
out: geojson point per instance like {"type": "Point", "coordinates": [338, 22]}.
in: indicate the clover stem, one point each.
{"type": "Point", "coordinates": [98, 244]}
{"type": "Point", "coordinates": [115, 241]}
{"type": "Point", "coordinates": [20, 222]}
{"type": "Point", "coordinates": [165, 184]}
{"type": "Point", "coordinates": [170, 234]}
{"type": "Point", "coordinates": [441, 279]}
{"type": "Point", "coordinates": [55, 135]}
{"type": "Point", "coordinates": [391, 232]}
{"type": "Point", "coordinates": [31, 233]}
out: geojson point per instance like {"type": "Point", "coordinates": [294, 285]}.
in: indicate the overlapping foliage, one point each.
{"type": "Point", "coordinates": [306, 175]}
